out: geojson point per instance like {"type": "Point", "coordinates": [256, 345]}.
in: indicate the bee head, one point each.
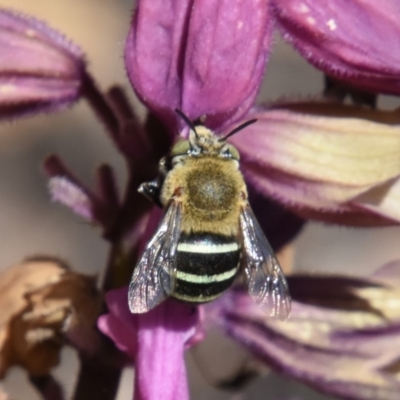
{"type": "Point", "coordinates": [203, 141]}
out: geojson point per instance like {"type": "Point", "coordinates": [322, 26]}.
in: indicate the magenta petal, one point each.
{"type": "Point", "coordinates": [160, 365]}
{"type": "Point", "coordinates": [156, 340]}
{"type": "Point", "coordinates": [354, 40]}
{"type": "Point", "coordinates": [153, 53]}
{"type": "Point", "coordinates": [225, 58]}
{"type": "Point", "coordinates": [119, 324]}
{"type": "Point", "coordinates": [115, 329]}
{"type": "Point", "coordinates": [39, 68]}
{"type": "Point", "coordinates": [72, 196]}
{"type": "Point", "coordinates": [345, 343]}
{"type": "Point", "coordinates": [204, 57]}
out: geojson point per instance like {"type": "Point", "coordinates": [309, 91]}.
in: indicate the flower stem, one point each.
{"type": "Point", "coordinates": [97, 380]}
{"type": "Point", "coordinates": [101, 107]}
{"type": "Point", "coordinates": [48, 387]}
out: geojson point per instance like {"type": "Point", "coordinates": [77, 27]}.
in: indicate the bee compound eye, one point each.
{"type": "Point", "coordinates": [180, 148]}
{"type": "Point", "coordinates": [231, 152]}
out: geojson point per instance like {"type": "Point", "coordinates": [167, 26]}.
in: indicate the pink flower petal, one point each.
{"type": "Point", "coordinates": [357, 41]}
{"type": "Point", "coordinates": [160, 365]}
{"type": "Point", "coordinates": [342, 337]}
{"type": "Point", "coordinates": [320, 164]}
{"type": "Point", "coordinates": [39, 68]}
{"type": "Point", "coordinates": [228, 42]}
{"type": "Point", "coordinates": [115, 329]}
{"type": "Point", "coordinates": [153, 53]}
{"type": "Point", "coordinates": [204, 57]}
{"type": "Point", "coordinates": [72, 196]}
{"type": "Point", "coordinates": [156, 340]}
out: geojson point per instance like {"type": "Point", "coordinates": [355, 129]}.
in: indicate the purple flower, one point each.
{"type": "Point", "coordinates": [156, 341]}
{"type": "Point", "coordinates": [332, 168]}
{"type": "Point", "coordinates": [204, 57]}
{"type": "Point", "coordinates": [323, 161]}
{"type": "Point", "coordinates": [40, 70]}
{"type": "Point", "coordinates": [342, 338]}
{"type": "Point", "coordinates": [356, 41]}
{"type": "Point", "coordinates": [208, 58]}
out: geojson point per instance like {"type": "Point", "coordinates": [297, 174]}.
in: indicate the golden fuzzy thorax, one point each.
{"type": "Point", "coordinates": [211, 190]}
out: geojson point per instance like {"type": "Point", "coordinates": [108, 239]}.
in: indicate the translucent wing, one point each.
{"type": "Point", "coordinates": [267, 284]}
{"type": "Point", "coordinates": [153, 279]}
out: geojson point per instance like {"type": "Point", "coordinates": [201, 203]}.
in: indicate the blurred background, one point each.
{"type": "Point", "coordinates": [33, 225]}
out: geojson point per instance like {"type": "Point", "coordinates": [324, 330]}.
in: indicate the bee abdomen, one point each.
{"type": "Point", "coordinates": [206, 266]}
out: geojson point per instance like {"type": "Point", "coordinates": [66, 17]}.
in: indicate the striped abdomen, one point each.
{"type": "Point", "coordinates": [206, 266]}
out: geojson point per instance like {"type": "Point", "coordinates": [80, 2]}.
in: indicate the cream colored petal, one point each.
{"type": "Point", "coordinates": [320, 162]}
{"type": "Point", "coordinates": [383, 199]}
{"type": "Point", "coordinates": [347, 151]}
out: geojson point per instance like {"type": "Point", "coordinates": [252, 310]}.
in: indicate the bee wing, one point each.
{"type": "Point", "coordinates": [154, 277]}
{"type": "Point", "coordinates": [266, 283]}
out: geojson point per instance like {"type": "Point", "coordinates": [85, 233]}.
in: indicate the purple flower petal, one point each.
{"type": "Point", "coordinates": [228, 42]}
{"type": "Point", "coordinates": [156, 340]}
{"type": "Point", "coordinates": [119, 324]}
{"type": "Point", "coordinates": [357, 41]}
{"type": "Point", "coordinates": [39, 69]}
{"type": "Point", "coordinates": [66, 189]}
{"type": "Point", "coordinates": [72, 196]}
{"type": "Point", "coordinates": [204, 57]}
{"type": "Point", "coordinates": [342, 337]}
{"type": "Point", "coordinates": [318, 165]}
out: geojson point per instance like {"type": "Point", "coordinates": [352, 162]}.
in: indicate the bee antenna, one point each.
{"type": "Point", "coordinates": [239, 128]}
{"type": "Point", "coordinates": [187, 120]}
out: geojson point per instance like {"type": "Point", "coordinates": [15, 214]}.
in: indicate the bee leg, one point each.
{"type": "Point", "coordinates": [152, 191]}
{"type": "Point", "coordinates": [163, 167]}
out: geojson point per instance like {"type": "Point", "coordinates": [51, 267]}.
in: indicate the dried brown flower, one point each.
{"type": "Point", "coordinates": [43, 306]}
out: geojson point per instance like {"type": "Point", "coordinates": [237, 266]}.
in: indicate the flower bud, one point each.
{"type": "Point", "coordinates": [40, 70]}
{"type": "Point", "coordinates": [204, 57]}
{"type": "Point", "coordinates": [356, 41]}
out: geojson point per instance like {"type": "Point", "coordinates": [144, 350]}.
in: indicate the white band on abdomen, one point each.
{"type": "Point", "coordinates": [210, 248]}
{"type": "Point", "coordinates": [192, 278]}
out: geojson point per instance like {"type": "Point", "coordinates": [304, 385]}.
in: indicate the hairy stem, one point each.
{"type": "Point", "coordinates": [101, 107]}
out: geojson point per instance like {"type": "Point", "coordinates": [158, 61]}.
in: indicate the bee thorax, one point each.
{"type": "Point", "coordinates": [210, 194]}
{"type": "Point", "coordinates": [210, 190]}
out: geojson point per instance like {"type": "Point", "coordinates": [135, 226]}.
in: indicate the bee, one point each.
{"type": "Point", "coordinates": [208, 233]}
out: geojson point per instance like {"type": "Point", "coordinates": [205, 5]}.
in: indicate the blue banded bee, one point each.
{"type": "Point", "coordinates": [196, 252]}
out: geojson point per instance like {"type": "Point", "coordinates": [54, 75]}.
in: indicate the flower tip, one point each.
{"type": "Point", "coordinates": [40, 70]}
{"type": "Point", "coordinates": [206, 58]}
{"type": "Point", "coordinates": [70, 195]}
{"type": "Point", "coordinates": [356, 42]}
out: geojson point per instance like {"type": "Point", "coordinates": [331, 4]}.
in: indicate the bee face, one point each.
{"type": "Point", "coordinates": [194, 255]}
{"type": "Point", "coordinates": [203, 142]}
